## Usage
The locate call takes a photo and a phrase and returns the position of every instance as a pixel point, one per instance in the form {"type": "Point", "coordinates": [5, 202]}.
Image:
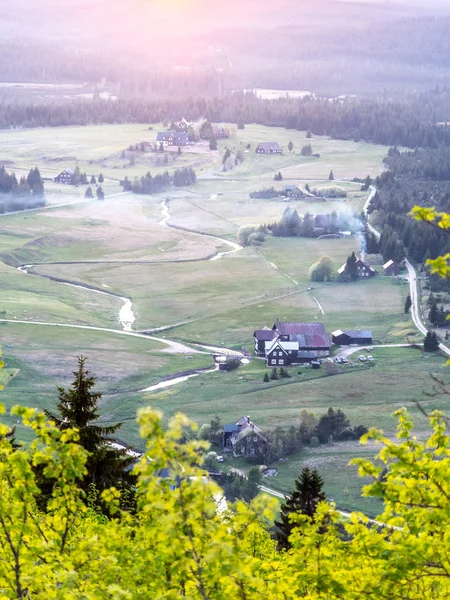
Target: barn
{"type": "Point", "coordinates": [348, 337]}
{"type": "Point", "coordinates": [391, 268]}
{"type": "Point", "coordinates": [65, 176]}
{"type": "Point", "coordinates": [269, 148]}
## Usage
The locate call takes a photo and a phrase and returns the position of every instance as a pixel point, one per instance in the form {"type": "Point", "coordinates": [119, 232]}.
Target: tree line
{"type": "Point", "coordinates": [27, 192]}
{"type": "Point", "coordinates": [148, 184]}
{"type": "Point", "coordinates": [380, 122]}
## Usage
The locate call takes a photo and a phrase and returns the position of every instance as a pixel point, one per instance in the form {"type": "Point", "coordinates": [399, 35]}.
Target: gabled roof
{"type": "Point", "coordinates": [68, 171]}
{"type": "Point", "coordinates": [285, 346]}
{"type": "Point", "coordinates": [269, 146]}
{"type": "Point", "coordinates": [230, 428]}
{"type": "Point", "coordinates": [264, 335]}
{"type": "Point", "coordinates": [178, 136]}
{"type": "Point", "coordinates": [308, 335]}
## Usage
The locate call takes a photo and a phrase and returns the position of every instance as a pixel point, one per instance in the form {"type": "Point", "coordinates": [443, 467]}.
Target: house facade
{"type": "Point", "coordinates": [351, 336]}
{"type": "Point", "coordinates": [292, 343]}
{"type": "Point", "coordinates": [269, 148]}
{"type": "Point", "coordinates": [219, 132]}
{"type": "Point", "coordinates": [172, 138]}
{"type": "Point", "coordinates": [65, 176]}
{"type": "Point", "coordinates": [244, 438]}
{"type": "Point", "coordinates": [364, 270]}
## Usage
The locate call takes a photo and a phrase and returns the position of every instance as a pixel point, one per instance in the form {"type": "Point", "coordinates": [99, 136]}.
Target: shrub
{"type": "Point", "coordinates": [266, 378]}
{"type": "Point", "coordinates": [314, 441]}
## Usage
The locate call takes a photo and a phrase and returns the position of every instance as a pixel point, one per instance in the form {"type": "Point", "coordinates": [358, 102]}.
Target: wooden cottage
{"type": "Point", "coordinates": [292, 343]}
{"type": "Point", "coordinates": [348, 337]}
{"type": "Point", "coordinates": [65, 176]}
{"type": "Point", "coordinates": [364, 270]}
{"type": "Point", "coordinates": [244, 438]}
{"type": "Point", "coordinates": [391, 268]}
{"type": "Point", "coordinates": [269, 148]}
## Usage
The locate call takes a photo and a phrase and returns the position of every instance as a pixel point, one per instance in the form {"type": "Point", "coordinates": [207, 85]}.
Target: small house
{"type": "Point", "coordinates": [348, 337]}
{"type": "Point", "coordinates": [172, 138]}
{"type": "Point", "coordinates": [244, 438]}
{"type": "Point", "coordinates": [391, 268]}
{"type": "Point", "coordinates": [219, 132]}
{"type": "Point", "coordinates": [364, 270]}
{"type": "Point", "coordinates": [261, 336]}
{"type": "Point", "coordinates": [294, 191]}
{"type": "Point", "coordinates": [65, 176]}
{"type": "Point", "coordinates": [269, 148]}
{"type": "Point", "coordinates": [281, 354]}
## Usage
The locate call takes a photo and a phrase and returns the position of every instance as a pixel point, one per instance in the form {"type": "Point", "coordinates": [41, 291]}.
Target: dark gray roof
{"type": "Point", "coordinates": [265, 335]}
{"type": "Point", "coordinates": [269, 146]}
{"type": "Point", "coordinates": [358, 333]}
{"type": "Point", "coordinates": [230, 428]}
{"type": "Point", "coordinates": [178, 136]}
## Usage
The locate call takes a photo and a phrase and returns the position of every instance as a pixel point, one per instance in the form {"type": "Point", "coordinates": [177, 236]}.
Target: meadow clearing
{"type": "Point", "coordinates": [123, 246]}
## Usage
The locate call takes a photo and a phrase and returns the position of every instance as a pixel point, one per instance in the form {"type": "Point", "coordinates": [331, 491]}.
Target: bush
{"type": "Point", "coordinates": [274, 374]}
{"type": "Point", "coordinates": [233, 363]}
{"type": "Point", "coordinates": [314, 442]}
{"type": "Point", "coordinates": [284, 373]}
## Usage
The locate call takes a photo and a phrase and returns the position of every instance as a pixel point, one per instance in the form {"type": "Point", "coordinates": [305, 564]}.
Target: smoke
{"type": "Point", "coordinates": [363, 246]}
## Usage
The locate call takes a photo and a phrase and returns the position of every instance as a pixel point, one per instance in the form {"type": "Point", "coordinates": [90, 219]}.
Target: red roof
{"type": "Point", "coordinates": [309, 335]}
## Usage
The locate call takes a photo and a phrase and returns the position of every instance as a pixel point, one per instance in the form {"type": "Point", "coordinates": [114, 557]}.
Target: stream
{"type": "Point", "coordinates": [126, 314]}
{"type": "Point", "coordinates": [165, 221]}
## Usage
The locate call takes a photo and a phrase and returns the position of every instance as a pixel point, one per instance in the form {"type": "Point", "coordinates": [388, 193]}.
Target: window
{"type": "Point", "coordinates": [273, 362]}
{"type": "Point", "coordinates": [280, 361]}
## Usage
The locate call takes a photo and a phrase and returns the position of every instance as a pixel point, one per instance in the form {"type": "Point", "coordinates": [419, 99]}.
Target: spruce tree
{"type": "Point", "coordinates": [78, 408]}
{"type": "Point", "coordinates": [93, 180]}
{"type": "Point", "coordinates": [331, 176]}
{"type": "Point", "coordinates": [431, 342]}
{"type": "Point", "coordinates": [101, 179]}
{"type": "Point", "coordinates": [100, 192]}
{"type": "Point", "coordinates": [351, 270]}
{"type": "Point", "coordinates": [408, 304]}
{"type": "Point", "coordinates": [303, 500]}
{"type": "Point", "coordinates": [88, 193]}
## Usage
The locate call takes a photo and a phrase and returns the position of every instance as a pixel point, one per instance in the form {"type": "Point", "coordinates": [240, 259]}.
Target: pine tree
{"type": "Point", "coordinates": [431, 342]}
{"type": "Point", "coordinates": [266, 378]}
{"type": "Point", "coordinates": [93, 180]}
{"type": "Point", "coordinates": [213, 143]}
{"type": "Point", "coordinates": [351, 270]}
{"type": "Point", "coordinates": [303, 500]}
{"type": "Point", "coordinates": [434, 313]}
{"type": "Point", "coordinates": [100, 192]}
{"type": "Point", "coordinates": [240, 123]}
{"type": "Point", "coordinates": [308, 135]}
{"type": "Point", "coordinates": [331, 176]}
{"type": "Point", "coordinates": [290, 146]}
{"type": "Point", "coordinates": [88, 193]}
{"type": "Point", "coordinates": [101, 179]}
{"type": "Point", "coordinates": [408, 304]}
{"type": "Point", "coordinates": [78, 408]}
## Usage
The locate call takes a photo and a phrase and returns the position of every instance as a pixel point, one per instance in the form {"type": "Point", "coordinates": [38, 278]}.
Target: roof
{"type": "Point", "coordinates": [388, 264]}
{"type": "Point", "coordinates": [230, 428]}
{"type": "Point", "coordinates": [311, 353]}
{"type": "Point", "coordinates": [358, 333]}
{"type": "Point", "coordinates": [337, 332]}
{"type": "Point", "coordinates": [178, 136]}
{"type": "Point", "coordinates": [265, 334]}
{"type": "Point", "coordinates": [286, 346]}
{"type": "Point", "coordinates": [269, 146]}
{"type": "Point", "coordinates": [308, 335]}
{"type": "Point", "coordinates": [67, 170]}
{"type": "Point", "coordinates": [359, 263]}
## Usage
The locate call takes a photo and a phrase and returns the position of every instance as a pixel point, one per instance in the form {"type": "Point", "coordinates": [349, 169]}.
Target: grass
{"type": "Point", "coordinates": [120, 246]}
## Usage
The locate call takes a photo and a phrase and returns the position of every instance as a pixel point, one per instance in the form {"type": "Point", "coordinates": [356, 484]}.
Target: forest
{"type": "Point", "coordinates": [389, 123]}
{"type": "Point", "coordinates": [28, 192]}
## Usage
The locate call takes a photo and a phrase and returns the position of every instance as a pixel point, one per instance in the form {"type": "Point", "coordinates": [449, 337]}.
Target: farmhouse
{"type": "Point", "coordinates": [269, 148]}
{"type": "Point", "coordinates": [220, 132]}
{"type": "Point", "coordinates": [261, 336]}
{"type": "Point", "coordinates": [364, 270]}
{"type": "Point", "coordinates": [391, 268]}
{"type": "Point", "coordinates": [183, 125]}
{"type": "Point", "coordinates": [289, 343]}
{"type": "Point", "coordinates": [351, 336]}
{"type": "Point", "coordinates": [294, 191]}
{"type": "Point", "coordinates": [244, 438]}
{"type": "Point", "coordinates": [172, 138]}
{"type": "Point", "coordinates": [64, 177]}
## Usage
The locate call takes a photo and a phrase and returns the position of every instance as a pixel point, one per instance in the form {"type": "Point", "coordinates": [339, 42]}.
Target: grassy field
{"type": "Point", "coordinates": [121, 246]}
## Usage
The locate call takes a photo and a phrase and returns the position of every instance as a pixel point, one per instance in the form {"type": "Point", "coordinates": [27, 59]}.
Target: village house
{"type": "Point", "coordinates": [391, 268]}
{"type": "Point", "coordinates": [364, 270]}
{"type": "Point", "coordinates": [172, 138]}
{"type": "Point", "coordinates": [220, 132]}
{"type": "Point", "coordinates": [292, 343]}
{"type": "Point", "coordinates": [65, 176]}
{"type": "Point", "coordinates": [244, 438]}
{"type": "Point", "coordinates": [348, 337]}
{"type": "Point", "coordinates": [269, 148]}
{"type": "Point", "coordinates": [294, 191]}
{"type": "Point", "coordinates": [183, 125]}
